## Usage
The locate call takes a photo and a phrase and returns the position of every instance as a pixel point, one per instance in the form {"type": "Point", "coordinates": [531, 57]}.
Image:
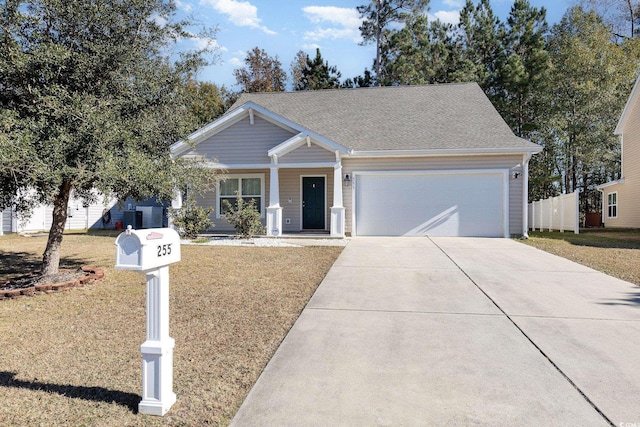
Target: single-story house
{"type": "Point", "coordinates": [433, 160]}
{"type": "Point", "coordinates": [621, 198]}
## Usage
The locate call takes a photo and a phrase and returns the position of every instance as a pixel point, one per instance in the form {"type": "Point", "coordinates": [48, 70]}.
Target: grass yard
{"type": "Point", "coordinates": [73, 358]}
{"type": "Point", "coordinates": [615, 252]}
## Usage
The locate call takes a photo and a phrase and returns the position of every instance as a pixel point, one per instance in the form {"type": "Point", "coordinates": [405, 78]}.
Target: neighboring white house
{"type": "Point", "coordinates": [103, 214]}
{"type": "Point", "coordinates": [414, 160]}
{"type": "Point", "coordinates": [621, 198]}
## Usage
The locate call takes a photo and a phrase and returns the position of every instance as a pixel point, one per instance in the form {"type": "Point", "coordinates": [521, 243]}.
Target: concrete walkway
{"type": "Point", "coordinates": [455, 331]}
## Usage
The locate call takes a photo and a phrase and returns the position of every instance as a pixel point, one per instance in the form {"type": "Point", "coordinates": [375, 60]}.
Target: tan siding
{"type": "Point", "coordinates": [513, 163]}
{"type": "Point", "coordinates": [623, 194]}
{"type": "Point", "coordinates": [242, 143]}
{"type": "Point", "coordinates": [308, 154]}
{"type": "Point", "coordinates": [629, 192]}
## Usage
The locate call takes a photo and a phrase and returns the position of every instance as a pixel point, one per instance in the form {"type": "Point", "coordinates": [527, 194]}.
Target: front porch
{"type": "Point", "coordinates": [305, 200]}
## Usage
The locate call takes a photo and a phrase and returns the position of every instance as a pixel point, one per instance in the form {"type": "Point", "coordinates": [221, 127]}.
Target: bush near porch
{"type": "Point", "coordinates": [613, 251]}
{"type": "Point", "coordinates": [73, 358]}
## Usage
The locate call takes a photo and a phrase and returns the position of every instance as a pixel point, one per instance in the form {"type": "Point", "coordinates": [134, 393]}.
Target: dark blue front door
{"type": "Point", "coordinates": [313, 202]}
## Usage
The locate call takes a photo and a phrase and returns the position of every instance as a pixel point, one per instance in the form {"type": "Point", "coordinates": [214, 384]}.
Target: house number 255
{"type": "Point", "coordinates": [164, 250]}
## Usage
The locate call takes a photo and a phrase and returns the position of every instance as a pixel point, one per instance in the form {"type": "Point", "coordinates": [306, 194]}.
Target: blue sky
{"type": "Point", "coordinates": [283, 28]}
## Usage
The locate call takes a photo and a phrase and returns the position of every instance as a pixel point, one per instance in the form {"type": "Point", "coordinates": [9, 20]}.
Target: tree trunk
{"type": "Point", "coordinates": [51, 257]}
{"type": "Point", "coordinates": [378, 46]}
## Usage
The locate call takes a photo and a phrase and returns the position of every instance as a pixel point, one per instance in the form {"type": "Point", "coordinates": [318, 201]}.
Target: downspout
{"type": "Point", "coordinates": [601, 206]}
{"type": "Point", "coordinates": [525, 195]}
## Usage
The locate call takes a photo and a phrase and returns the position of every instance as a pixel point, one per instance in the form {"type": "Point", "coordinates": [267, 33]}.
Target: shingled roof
{"type": "Point", "coordinates": [432, 117]}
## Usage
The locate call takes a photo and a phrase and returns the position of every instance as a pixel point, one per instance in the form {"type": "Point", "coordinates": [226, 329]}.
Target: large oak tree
{"type": "Point", "coordinates": [92, 96]}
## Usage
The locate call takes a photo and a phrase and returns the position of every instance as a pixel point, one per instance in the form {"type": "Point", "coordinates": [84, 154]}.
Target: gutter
{"type": "Point", "coordinates": [446, 152]}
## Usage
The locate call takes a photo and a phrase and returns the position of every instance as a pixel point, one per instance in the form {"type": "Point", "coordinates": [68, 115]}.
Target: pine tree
{"type": "Point", "coordinates": [524, 68]}
{"type": "Point", "coordinates": [480, 35]}
{"type": "Point", "coordinates": [314, 74]}
{"type": "Point", "coordinates": [378, 16]}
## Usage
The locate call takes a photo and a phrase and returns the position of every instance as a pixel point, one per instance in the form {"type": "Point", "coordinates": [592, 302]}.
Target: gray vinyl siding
{"type": "Point", "coordinates": [304, 154]}
{"type": "Point", "coordinates": [242, 143]}
{"type": "Point", "coordinates": [512, 163]}
{"type": "Point", "coordinates": [290, 189]}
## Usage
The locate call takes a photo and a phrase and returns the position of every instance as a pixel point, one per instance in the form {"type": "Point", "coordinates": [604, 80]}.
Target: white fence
{"type": "Point", "coordinates": [557, 213]}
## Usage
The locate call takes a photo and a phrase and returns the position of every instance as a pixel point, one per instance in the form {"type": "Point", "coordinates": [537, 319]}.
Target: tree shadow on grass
{"type": "Point", "coordinates": [95, 394]}
{"type": "Point", "coordinates": [617, 239]}
{"type": "Point", "coordinates": [19, 263]}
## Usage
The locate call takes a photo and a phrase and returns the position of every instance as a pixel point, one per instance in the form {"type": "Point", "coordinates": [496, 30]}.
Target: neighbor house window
{"type": "Point", "coordinates": [612, 205]}
{"type": "Point", "coordinates": [248, 187]}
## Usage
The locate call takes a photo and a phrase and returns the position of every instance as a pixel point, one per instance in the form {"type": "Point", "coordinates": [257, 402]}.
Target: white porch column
{"type": "Point", "coordinates": [274, 211]}
{"type": "Point", "coordinates": [525, 195]}
{"type": "Point", "coordinates": [337, 210]}
{"type": "Point", "coordinates": [176, 203]}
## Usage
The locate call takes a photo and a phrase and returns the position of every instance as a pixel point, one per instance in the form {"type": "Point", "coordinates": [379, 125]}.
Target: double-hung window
{"type": "Point", "coordinates": [612, 205]}
{"type": "Point", "coordinates": [248, 187]}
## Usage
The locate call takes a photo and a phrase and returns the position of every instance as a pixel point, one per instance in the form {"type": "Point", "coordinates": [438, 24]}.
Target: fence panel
{"type": "Point", "coordinates": [556, 213]}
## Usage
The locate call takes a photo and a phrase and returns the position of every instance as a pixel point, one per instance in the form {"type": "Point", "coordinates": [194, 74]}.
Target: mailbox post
{"type": "Point", "coordinates": [150, 251]}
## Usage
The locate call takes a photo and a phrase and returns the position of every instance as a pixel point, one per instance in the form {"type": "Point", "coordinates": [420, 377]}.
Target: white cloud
{"type": "Point", "coordinates": [236, 61]}
{"type": "Point", "coordinates": [333, 23]}
{"type": "Point", "coordinates": [187, 7]}
{"type": "Point", "coordinates": [454, 3]}
{"type": "Point", "coordinates": [160, 21]}
{"type": "Point", "coordinates": [310, 46]}
{"type": "Point", "coordinates": [207, 43]}
{"type": "Point", "coordinates": [240, 13]}
{"type": "Point", "coordinates": [447, 16]}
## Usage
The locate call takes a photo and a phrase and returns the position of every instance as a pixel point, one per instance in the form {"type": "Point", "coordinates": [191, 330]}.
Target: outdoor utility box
{"type": "Point", "coordinates": [132, 218]}
{"type": "Point", "coordinates": [143, 250]}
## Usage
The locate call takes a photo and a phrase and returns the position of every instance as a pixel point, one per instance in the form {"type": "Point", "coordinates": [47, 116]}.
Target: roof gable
{"type": "Point", "coordinates": [404, 118]}
{"type": "Point", "coordinates": [249, 110]}
{"type": "Point", "coordinates": [631, 102]}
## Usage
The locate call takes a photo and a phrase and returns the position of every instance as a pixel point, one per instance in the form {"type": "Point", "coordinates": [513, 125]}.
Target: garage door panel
{"type": "Point", "coordinates": [434, 204]}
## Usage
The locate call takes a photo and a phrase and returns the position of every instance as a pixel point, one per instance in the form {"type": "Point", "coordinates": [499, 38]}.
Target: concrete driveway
{"type": "Point", "coordinates": [455, 331]}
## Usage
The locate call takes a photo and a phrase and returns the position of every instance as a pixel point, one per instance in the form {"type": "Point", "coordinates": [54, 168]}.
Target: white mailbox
{"type": "Point", "coordinates": [147, 249]}
{"type": "Point", "coordinates": [150, 252]}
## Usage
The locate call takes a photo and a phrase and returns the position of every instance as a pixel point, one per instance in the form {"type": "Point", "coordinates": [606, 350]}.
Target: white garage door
{"type": "Point", "coordinates": [448, 203]}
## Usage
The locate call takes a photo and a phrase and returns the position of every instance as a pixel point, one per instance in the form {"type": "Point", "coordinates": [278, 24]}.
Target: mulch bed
{"type": "Point", "coordinates": [64, 280]}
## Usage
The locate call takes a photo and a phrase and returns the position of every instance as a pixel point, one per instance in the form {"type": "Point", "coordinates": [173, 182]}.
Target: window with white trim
{"type": "Point", "coordinates": [612, 205]}
{"type": "Point", "coordinates": [248, 187]}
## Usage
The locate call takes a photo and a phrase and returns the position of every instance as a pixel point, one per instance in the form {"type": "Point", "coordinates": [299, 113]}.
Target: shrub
{"type": "Point", "coordinates": [244, 217]}
{"type": "Point", "coordinates": [192, 219]}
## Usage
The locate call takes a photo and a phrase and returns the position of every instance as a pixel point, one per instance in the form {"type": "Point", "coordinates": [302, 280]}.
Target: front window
{"type": "Point", "coordinates": [612, 205]}
{"type": "Point", "coordinates": [248, 187]}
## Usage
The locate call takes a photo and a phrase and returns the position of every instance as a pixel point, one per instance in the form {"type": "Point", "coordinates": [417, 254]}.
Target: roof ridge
{"type": "Point", "coordinates": [369, 88]}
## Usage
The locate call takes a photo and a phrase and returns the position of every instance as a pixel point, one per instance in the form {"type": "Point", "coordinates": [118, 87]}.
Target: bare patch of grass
{"type": "Point", "coordinates": [614, 252]}
{"type": "Point", "coordinates": [73, 358]}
